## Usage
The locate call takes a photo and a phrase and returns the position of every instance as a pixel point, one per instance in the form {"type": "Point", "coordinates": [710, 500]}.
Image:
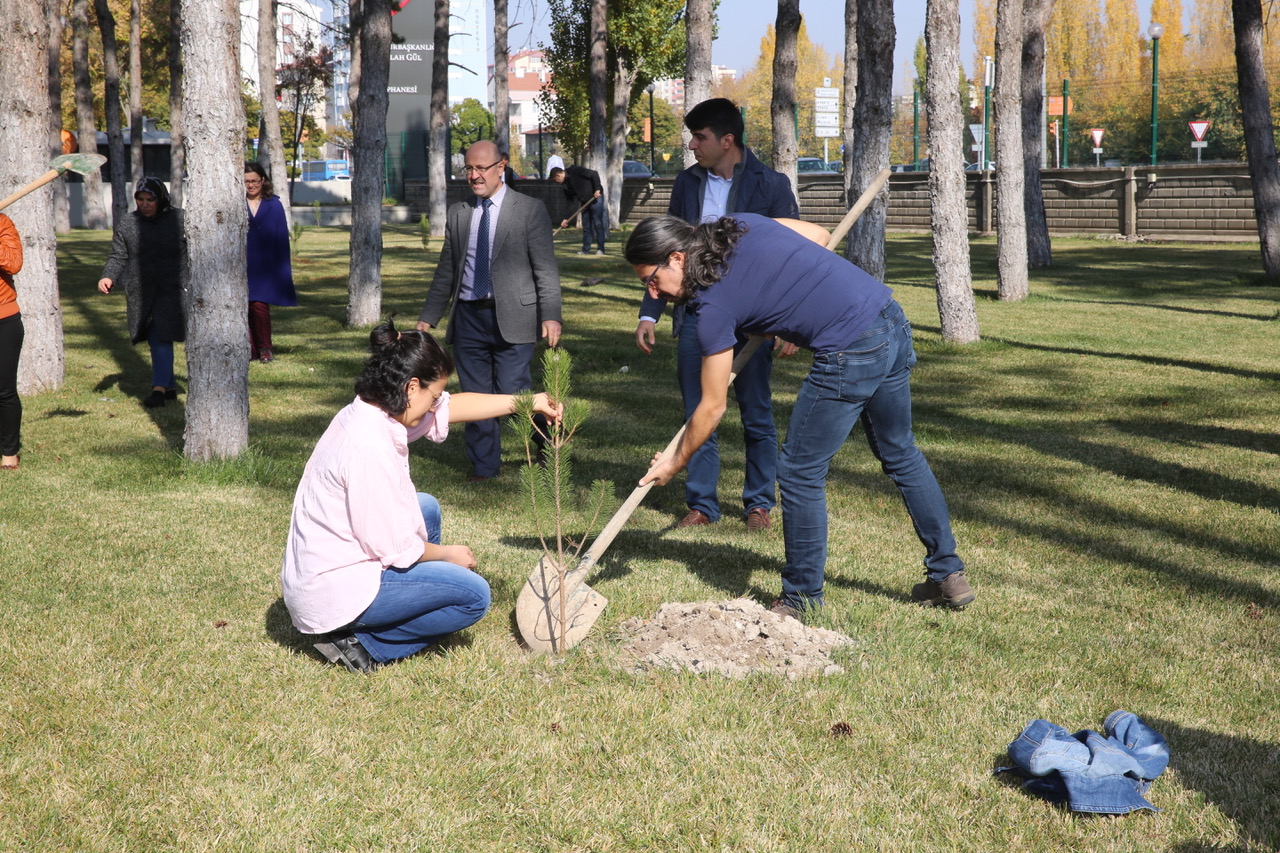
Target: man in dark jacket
{"type": "Point", "coordinates": [727, 178]}
{"type": "Point", "coordinates": [582, 186]}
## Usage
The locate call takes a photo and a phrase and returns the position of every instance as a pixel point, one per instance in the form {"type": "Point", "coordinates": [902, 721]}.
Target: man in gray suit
{"type": "Point", "coordinates": [498, 269]}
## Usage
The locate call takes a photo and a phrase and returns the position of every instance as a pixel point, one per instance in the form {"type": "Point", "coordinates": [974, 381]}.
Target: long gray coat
{"type": "Point", "coordinates": [159, 303]}
{"type": "Point", "coordinates": [526, 278]}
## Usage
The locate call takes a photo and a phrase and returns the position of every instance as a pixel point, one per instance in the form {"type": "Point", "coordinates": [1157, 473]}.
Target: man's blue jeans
{"type": "Point", "coordinates": [755, 403]}
{"type": "Point", "coordinates": [870, 380]}
{"type": "Point", "coordinates": [421, 604]}
{"type": "Point", "coordinates": [595, 225]}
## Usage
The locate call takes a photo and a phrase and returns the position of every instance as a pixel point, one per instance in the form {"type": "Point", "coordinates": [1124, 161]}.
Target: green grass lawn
{"type": "Point", "coordinates": [1110, 452]}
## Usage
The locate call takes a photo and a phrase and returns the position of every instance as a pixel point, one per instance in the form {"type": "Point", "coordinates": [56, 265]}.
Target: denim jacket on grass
{"type": "Point", "coordinates": [1090, 772]}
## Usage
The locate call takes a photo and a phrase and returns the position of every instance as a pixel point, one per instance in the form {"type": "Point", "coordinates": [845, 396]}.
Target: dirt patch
{"type": "Point", "coordinates": [734, 638]}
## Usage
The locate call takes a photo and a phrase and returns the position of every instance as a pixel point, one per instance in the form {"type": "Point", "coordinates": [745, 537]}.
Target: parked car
{"type": "Point", "coordinates": [635, 169]}
{"type": "Point", "coordinates": [813, 166]}
{"type": "Point", "coordinates": [836, 166]}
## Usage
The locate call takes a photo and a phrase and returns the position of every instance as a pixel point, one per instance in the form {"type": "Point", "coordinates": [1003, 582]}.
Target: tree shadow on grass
{"type": "Point", "coordinates": [1238, 776]}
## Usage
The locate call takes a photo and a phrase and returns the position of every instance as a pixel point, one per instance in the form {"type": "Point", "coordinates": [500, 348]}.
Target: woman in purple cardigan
{"type": "Point", "coordinates": [267, 256]}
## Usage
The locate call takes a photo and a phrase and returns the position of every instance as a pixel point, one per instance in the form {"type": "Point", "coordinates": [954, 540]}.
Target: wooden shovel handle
{"type": "Point", "coordinates": [31, 187]}
{"type": "Point", "coordinates": [864, 200]}
{"type": "Point", "coordinates": [601, 542]}
{"type": "Point", "coordinates": [571, 218]}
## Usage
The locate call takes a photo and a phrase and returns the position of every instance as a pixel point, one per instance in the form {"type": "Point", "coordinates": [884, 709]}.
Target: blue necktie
{"type": "Point", "coordinates": [482, 286]}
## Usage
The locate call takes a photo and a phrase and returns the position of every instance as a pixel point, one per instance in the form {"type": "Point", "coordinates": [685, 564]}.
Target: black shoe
{"type": "Point", "coordinates": [345, 649]}
{"type": "Point", "coordinates": [171, 393]}
{"type": "Point", "coordinates": [155, 399]}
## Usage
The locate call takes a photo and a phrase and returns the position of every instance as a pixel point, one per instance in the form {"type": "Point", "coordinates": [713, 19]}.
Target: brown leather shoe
{"type": "Point", "coordinates": [693, 519]}
{"type": "Point", "coordinates": [758, 519]}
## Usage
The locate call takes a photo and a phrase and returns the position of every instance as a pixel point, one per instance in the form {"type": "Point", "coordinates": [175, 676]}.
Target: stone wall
{"type": "Point", "coordinates": [1212, 202]}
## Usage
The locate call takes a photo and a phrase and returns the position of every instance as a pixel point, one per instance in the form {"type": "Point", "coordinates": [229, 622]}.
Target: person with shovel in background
{"type": "Point", "coordinates": [364, 569]}
{"type": "Point", "coordinates": [149, 251]}
{"type": "Point", "coordinates": [11, 334]}
{"type": "Point", "coordinates": [583, 188]}
{"type": "Point", "coordinates": [746, 273]}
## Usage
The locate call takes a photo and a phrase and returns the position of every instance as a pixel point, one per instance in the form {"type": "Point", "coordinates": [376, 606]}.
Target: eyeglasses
{"type": "Point", "coordinates": [479, 170]}
{"type": "Point", "coordinates": [648, 281]}
{"type": "Point", "coordinates": [252, 182]}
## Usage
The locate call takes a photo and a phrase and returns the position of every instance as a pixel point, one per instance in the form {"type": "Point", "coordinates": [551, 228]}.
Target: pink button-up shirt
{"type": "Point", "coordinates": [356, 513]}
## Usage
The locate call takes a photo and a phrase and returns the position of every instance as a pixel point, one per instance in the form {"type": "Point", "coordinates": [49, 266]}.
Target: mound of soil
{"type": "Point", "coordinates": [734, 638]}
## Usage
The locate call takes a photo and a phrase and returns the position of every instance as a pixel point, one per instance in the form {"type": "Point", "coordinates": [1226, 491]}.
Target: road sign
{"type": "Point", "coordinates": [820, 132]}
{"type": "Point", "coordinates": [1054, 107]}
{"type": "Point", "coordinates": [1096, 133]}
{"type": "Point", "coordinates": [826, 105]}
{"type": "Point", "coordinates": [1199, 129]}
{"type": "Point", "coordinates": [826, 120]}
{"type": "Point", "coordinates": [976, 130]}
{"type": "Point", "coordinates": [826, 92]}
{"type": "Point", "coordinates": [1199, 143]}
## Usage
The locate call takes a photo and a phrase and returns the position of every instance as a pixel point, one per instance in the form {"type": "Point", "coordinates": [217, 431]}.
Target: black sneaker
{"type": "Point", "coordinates": [346, 650]}
{"type": "Point", "coordinates": [155, 399]}
{"type": "Point", "coordinates": [953, 592]}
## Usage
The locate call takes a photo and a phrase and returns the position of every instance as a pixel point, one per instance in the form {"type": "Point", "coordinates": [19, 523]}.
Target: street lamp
{"type": "Point", "coordinates": [652, 161]}
{"type": "Point", "coordinates": [915, 122]}
{"type": "Point", "coordinates": [1155, 31]}
{"type": "Point", "coordinates": [989, 80]}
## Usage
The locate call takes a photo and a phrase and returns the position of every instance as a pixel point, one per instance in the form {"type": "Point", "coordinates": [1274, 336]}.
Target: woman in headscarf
{"type": "Point", "coordinates": [149, 252]}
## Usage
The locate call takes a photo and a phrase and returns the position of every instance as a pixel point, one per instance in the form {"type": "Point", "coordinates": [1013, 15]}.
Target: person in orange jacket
{"type": "Point", "coordinates": [11, 334]}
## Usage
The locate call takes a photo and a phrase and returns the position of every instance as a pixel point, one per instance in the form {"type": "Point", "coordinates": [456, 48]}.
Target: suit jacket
{"type": "Point", "coordinates": [526, 279]}
{"type": "Point", "coordinates": [756, 189]}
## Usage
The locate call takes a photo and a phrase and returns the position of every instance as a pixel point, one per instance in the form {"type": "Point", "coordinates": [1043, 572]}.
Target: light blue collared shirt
{"type": "Point", "coordinates": [465, 293]}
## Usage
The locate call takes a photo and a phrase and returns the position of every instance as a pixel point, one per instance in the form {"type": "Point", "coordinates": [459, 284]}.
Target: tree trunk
{"type": "Point", "coordinates": [24, 156]}
{"type": "Point", "coordinates": [216, 219]}
{"type": "Point", "coordinates": [364, 283]}
{"type": "Point", "coordinates": [95, 214]}
{"type": "Point", "coordinates": [270, 140]}
{"type": "Point", "coordinates": [957, 312]}
{"type": "Point", "coordinates": [699, 25]}
{"type": "Point", "coordinates": [501, 92]}
{"type": "Point", "coordinates": [438, 146]}
{"type": "Point", "coordinates": [848, 131]}
{"type": "Point", "coordinates": [135, 90]}
{"type": "Point", "coordinates": [597, 91]}
{"type": "Point", "coordinates": [1035, 20]}
{"type": "Point", "coordinates": [624, 78]}
{"type": "Point", "coordinates": [61, 205]}
{"type": "Point", "coordinates": [873, 117]}
{"type": "Point", "coordinates": [111, 105]}
{"type": "Point", "coordinates": [1259, 134]}
{"type": "Point", "coordinates": [177, 145]}
{"type": "Point", "coordinates": [1011, 227]}
{"type": "Point", "coordinates": [782, 107]}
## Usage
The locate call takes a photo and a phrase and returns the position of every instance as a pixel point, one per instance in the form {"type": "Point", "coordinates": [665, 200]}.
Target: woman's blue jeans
{"type": "Point", "coordinates": [417, 606]}
{"type": "Point", "coordinates": [869, 381]}
{"type": "Point", "coordinates": [161, 361]}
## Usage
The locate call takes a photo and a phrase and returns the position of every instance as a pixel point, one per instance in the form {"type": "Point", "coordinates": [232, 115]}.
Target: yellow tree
{"type": "Point", "coordinates": [984, 35]}
{"type": "Point", "coordinates": [1122, 42]}
{"type": "Point", "coordinates": [755, 91]}
{"type": "Point", "coordinates": [1072, 44]}
{"type": "Point", "coordinates": [1211, 45]}
{"type": "Point", "coordinates": [1173, 44]}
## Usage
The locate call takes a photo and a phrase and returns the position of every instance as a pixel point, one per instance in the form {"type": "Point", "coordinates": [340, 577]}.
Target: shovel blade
{"type": "Point", "coordinates": [81, 164]}
{"type": "Point", "coordinates": [538, 609]}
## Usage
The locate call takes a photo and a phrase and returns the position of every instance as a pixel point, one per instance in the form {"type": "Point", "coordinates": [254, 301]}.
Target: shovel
{"type": "Point", "coordinates": [555, 618]}
{"type": "Point", "coordinates": [81, 164]}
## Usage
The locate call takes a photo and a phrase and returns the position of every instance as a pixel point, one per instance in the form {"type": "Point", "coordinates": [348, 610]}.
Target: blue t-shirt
{"type": "Point", "coordinates": [778, 282]}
